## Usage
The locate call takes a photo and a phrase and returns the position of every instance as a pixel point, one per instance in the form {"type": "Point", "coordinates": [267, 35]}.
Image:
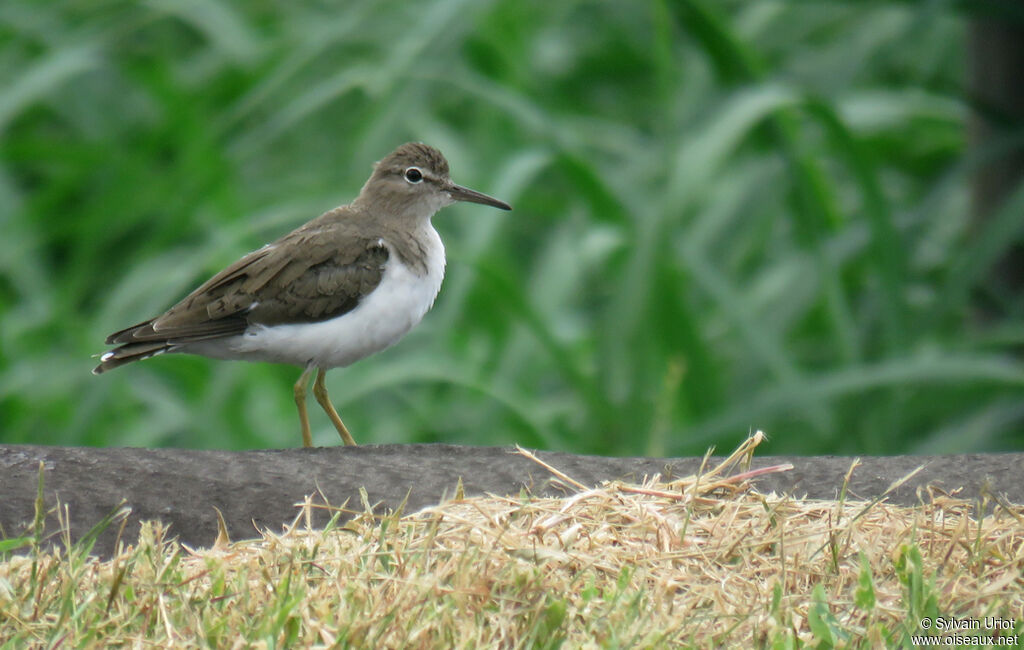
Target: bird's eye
{"type": "Point", "coordinates": [413, 175]}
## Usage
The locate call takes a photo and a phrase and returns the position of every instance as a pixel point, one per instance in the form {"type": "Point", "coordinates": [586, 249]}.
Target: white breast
{"type": "Point", "coordinates": [379, 321]}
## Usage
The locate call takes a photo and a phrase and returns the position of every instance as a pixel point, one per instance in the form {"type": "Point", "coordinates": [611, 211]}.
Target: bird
{"type": "Point", "coordinates": [339, 288]}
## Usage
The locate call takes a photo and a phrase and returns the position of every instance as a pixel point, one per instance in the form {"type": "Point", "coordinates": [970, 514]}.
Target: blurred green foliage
{"type": "Point", "coordinates": [727, 216]}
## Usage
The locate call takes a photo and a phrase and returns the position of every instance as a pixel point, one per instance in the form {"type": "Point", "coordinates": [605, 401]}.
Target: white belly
{"type": "Point", "coordinates": [379, 321]}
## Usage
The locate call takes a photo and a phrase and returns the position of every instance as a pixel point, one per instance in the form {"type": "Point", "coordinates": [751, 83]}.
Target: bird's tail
{"type": "Point", "coordinates": [130, 352]}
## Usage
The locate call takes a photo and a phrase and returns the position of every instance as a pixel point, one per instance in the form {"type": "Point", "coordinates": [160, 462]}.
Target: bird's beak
{"type": "Point", "coordinates": [459, 193]}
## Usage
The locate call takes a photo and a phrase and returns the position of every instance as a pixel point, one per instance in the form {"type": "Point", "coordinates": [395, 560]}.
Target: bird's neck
{"type": "Point", "coordinates": [420, 249]}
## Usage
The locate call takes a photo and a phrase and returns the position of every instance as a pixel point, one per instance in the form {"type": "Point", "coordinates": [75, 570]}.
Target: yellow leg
{"type": "Point", "coordinates": [300, 401]}
{"type": "Point", "coordinates": [320, 392]}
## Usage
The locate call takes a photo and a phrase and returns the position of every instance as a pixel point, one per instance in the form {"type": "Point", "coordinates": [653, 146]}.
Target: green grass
{"type": "Point", "coordinates": [698, 562]}
{"type": "Point", "coordinates": [727, 216]}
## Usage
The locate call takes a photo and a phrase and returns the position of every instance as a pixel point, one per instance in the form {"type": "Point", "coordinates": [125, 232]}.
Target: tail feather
{"type": "Point", "coordinates": [143, 341]}
{"type": "Point", "coordinates": [131, 352]}
{"type": "Point", "coordinates": [127, 334]}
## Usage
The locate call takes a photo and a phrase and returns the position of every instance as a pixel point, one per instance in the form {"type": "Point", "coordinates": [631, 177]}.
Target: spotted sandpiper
{"type": "Point", "coordinates": [347, 284]}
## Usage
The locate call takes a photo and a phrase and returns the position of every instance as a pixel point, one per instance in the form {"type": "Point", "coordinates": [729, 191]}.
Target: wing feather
{"type": "Point", "coordinates": [272, 285]}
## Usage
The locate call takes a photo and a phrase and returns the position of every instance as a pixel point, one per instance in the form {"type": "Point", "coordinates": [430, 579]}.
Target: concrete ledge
{"type": "Point", "coordinates": [182, 487]}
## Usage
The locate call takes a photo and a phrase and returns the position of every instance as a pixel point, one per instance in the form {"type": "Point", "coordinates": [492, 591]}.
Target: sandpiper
{"type": "Point", "coordinates": [347, 284]}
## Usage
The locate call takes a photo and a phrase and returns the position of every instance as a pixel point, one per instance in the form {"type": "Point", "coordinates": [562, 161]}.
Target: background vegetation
{"type": "Point", "coordinates": [727, 216]}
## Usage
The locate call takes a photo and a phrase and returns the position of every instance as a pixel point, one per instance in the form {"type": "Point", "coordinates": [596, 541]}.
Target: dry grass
{"type": "Point", "coordinates": [702, 561]}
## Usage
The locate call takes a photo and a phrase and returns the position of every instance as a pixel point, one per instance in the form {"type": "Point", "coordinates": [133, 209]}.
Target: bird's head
{"type": "Point", "coordinates": [414, 180]}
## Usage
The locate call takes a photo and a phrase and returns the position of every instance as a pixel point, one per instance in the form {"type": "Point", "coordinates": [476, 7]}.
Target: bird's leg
{"type": "Point", "coordinates": [320, 392]}
{"type": "Point", "coordinates": [300, 401]}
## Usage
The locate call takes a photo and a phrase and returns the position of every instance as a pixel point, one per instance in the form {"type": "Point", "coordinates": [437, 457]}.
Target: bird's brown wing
{"type": "Point", "coordinates": [303, 293]}
{"type": "Point", "coordinates": [308, 275]}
